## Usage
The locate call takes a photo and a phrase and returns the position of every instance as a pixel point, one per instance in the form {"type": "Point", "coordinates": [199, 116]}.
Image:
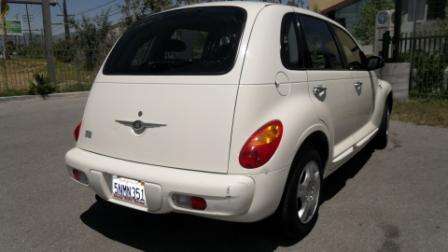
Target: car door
{"type": "Point", "coordinates": [330, 84]}
{"type": "Point", "coordinates": [362, 88]}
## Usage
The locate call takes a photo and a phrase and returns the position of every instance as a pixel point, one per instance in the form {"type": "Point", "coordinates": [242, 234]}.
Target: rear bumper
{"type": "Point", "coordinates": [229, 197]}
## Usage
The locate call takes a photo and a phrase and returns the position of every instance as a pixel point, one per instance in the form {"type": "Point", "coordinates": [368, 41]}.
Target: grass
{"type": "Point", "coordinates": [12, 92]}
{"type": "Point", "coordinates": [16, 74]}
{"type": "Point", "coordinates": [433, 112]}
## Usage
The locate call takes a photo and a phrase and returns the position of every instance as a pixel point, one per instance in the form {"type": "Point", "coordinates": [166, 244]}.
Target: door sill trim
{"type": "Point", "coordinates": [343, 155]}
{"type": "Point", "coordinates": [367, 138]}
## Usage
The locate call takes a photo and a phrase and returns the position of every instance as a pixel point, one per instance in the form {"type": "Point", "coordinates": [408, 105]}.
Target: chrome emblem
{"type": "Point", "coordinates": [139, 126]}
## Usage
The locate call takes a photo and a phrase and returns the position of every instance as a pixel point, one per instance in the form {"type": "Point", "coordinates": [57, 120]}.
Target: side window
{"type": "Point", "coordinates": [322, 47]}
{"type": "Point", "coordinates": [351, 51]}
{"type": "Point", "coordinates": [290, 53]}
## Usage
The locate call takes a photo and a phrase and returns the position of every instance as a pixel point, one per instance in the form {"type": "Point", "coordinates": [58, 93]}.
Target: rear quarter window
{"type": "Point", "coordinates": [192, 41]}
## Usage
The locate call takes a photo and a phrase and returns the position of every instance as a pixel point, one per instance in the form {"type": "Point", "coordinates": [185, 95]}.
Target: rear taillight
{"type": "Point", "coordinates": [76, 132]}
{"type": "Point", "coordinates": [191, 202]}
{"type": "Point", "coordinates": [260, 147]}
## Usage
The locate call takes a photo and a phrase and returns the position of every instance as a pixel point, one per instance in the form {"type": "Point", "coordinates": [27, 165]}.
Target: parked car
{"type": "Point", "coordinates": [234, 111]}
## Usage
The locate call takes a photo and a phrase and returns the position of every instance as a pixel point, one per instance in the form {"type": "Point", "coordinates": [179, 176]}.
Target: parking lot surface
{"type": "Point", "coordinates": [383, 200]}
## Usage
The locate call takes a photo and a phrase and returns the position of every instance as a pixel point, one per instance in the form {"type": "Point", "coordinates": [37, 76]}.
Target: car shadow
{"type": "Point", "coordinates": [176, 232]}
{"type": "Point", "coordinates": [337, 180]}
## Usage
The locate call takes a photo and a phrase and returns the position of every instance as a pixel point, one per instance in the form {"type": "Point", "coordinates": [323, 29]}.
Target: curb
{"type": "Point", "coordinates": [29, 97]}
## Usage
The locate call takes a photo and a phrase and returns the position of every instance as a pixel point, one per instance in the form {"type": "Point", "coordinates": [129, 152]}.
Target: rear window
{"type": "Point", "coordinates": [196, 41]}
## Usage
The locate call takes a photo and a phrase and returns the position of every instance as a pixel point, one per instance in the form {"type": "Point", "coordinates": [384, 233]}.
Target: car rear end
{"type": "Point", "coordinates": [156, 131]}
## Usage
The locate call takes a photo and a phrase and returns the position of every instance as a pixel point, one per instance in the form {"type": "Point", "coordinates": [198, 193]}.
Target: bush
{"type": "Point", "coordinates": [11, 92]}
{"type": "Point", "coordinates": [41, 85]}
{"type": "Point", "coordinates": [65, 51]}
{"type": "Point", "coordinates": [428, 77]}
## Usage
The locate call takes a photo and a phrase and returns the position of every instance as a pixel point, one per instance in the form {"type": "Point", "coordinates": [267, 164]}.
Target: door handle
{"type": "Point", "coordinates": [358, 84]}
{"type": "Point", "coordinates": [319, 91]}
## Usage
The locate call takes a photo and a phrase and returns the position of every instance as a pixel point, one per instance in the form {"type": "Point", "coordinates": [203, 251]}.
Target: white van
{"type": "Point", "coordinates": [230, 110]}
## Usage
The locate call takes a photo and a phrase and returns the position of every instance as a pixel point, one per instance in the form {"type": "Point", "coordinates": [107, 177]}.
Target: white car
{"type": "Point", "coordinates": [233, 111]}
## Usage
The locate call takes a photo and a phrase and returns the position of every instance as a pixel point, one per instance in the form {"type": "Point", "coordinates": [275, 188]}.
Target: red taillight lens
{"type": "Point", "coordinates": [198, 203]}
{"type": "Point", "coordinates": [76, 132]}
{"type": "Point", "coordinates": [260, 147]}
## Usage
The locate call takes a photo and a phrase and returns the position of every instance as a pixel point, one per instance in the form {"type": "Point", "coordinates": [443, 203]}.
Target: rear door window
{"type": "Point", "coordinates": [192, 41]}
{"type": "Point", "coordinates": [322, 49]}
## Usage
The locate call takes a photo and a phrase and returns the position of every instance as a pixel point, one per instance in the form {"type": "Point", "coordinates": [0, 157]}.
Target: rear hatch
{"type": "Point", "coordinates": [167, 91]}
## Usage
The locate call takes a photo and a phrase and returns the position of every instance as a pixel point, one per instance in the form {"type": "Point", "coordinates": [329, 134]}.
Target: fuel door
{"type": "Point", "coordinates": [282, 84]}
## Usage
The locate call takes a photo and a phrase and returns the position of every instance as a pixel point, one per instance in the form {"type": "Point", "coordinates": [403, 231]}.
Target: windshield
{"type": "Point", "coordinates": [190, 41]}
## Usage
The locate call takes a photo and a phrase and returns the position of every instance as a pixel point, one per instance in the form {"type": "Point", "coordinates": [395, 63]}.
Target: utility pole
{"type": "Point", "coordinates": [397, 30]}
{"type": "Point", "coordinates": [29, 23]}
{"type": "Point", "coordinates": [66, 27]}
{"type": "Point", "coordinates": [48, 40]}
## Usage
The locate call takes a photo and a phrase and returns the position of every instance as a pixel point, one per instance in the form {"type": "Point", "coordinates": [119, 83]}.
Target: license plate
{"type": "Point", "coordinates": [129, 190]}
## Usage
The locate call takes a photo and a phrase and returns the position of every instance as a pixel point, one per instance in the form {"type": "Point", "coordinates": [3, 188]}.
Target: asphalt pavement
{"type": "Point", "coordinates": [383, 200]}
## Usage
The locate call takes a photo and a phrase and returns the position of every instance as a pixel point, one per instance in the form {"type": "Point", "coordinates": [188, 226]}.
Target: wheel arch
{"type": "Point", "coordinates": [390, 100]}
{"type": "Point", "coordinates": [317, 137]}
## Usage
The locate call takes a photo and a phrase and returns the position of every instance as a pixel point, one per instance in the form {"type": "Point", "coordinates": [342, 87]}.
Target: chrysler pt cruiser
{"type": "Point", "coordinates": [234, 111]}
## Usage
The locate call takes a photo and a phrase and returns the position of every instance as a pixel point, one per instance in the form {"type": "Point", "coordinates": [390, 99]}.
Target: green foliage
{"type": "Point", "coordinates": [41, 85]}
{"type": "Point", "coordinates": [93, 38]}
{"type": "Point", "coordinates": [135, 10]}
{"type": "Point", "coordinates": [33, 50]}
{"type": "Point", "coordinates": [364, 30]}
{"type": "Point", "coordinates": [428, 79]}
{"type": "Point", "coordinates": [11, 92]}
{"type": "Point", "coordinates": [75, 87]}
{"type": "Point", "coordinates": [299, 3]}
{"type": "Point", "coordinates": [65, 51]}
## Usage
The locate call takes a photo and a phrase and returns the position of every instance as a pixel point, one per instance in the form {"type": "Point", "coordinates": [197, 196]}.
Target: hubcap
{"type": "Point", "coordinates": [308, 191]}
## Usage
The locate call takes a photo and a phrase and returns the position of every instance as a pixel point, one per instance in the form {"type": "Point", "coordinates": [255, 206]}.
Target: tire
{"type": "Point", "coordinates": [382, 136]}
{"type": "Point", "coordinates": [299, 207]}
{"type": "Point", "coordinates": [100, 200]}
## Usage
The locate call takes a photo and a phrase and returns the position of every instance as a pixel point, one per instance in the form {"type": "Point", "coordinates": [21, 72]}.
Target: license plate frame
{"type": "Point", "coordinates": [129, 190]}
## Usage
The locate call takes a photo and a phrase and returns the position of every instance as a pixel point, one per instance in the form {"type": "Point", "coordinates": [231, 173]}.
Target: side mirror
{"type": "Point", "coordinates": [374, 62]}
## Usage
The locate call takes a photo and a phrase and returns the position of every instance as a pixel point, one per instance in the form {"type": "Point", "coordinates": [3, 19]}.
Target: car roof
{"type": "Point", "coordinates": [252, 6]}
{"type": "Point", "coordinates": [255, 7]}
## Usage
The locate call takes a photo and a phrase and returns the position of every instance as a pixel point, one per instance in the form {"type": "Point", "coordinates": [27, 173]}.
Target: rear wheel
{"type": "Point", "coordinates": [383, 132]}
{"type": "Point", "coordinates": [298, 211]}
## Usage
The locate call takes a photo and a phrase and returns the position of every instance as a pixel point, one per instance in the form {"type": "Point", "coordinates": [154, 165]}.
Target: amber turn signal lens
{"type": "Point", "coordinates": [261, 145]}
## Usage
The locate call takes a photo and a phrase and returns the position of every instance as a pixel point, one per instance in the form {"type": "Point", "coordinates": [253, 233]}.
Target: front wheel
{"type": "Point", "coordinates": [382, 136]}
{"type": "Point", "coordinates": [298, 211]}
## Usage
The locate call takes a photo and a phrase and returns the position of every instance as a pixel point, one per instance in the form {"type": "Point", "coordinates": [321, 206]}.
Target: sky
{"type": "Point", "coordinates": [89, 8]}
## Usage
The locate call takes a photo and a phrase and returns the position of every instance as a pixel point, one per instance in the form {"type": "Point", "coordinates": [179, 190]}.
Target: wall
{"type": "Point", "coordinates": [324, 4]}
{"type": "Point", "coordinates": [397, 74]}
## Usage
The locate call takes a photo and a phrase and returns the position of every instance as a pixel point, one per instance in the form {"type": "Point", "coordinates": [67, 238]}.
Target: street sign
{"type": "Point", "coordinates": [13, 27]}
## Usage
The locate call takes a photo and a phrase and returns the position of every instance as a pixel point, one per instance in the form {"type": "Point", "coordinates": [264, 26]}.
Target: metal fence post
{"type": "Point", "coordinates": [5, 74]}
{"type": "Point", "coordinates": [414, 29]}
{"type": "Point", "coordinates": [48, 41]}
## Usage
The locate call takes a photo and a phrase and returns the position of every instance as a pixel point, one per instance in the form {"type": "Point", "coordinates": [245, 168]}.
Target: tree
{"type": "Point", "coordinates": [135, 10]}
{"type": "Point", "coordinates": [299, 3]}
{"type": "Point", "coordinates": [364, 30]}
{"type": "Point", "coordinates": [92, 38]}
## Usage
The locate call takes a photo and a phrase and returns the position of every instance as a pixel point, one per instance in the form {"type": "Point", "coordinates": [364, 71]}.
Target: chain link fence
{"type": "Point", "coordinates": [76, 67]}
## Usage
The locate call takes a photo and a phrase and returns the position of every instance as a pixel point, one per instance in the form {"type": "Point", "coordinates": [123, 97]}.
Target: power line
{"type": "Point", "coordinates": [97, 7]}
